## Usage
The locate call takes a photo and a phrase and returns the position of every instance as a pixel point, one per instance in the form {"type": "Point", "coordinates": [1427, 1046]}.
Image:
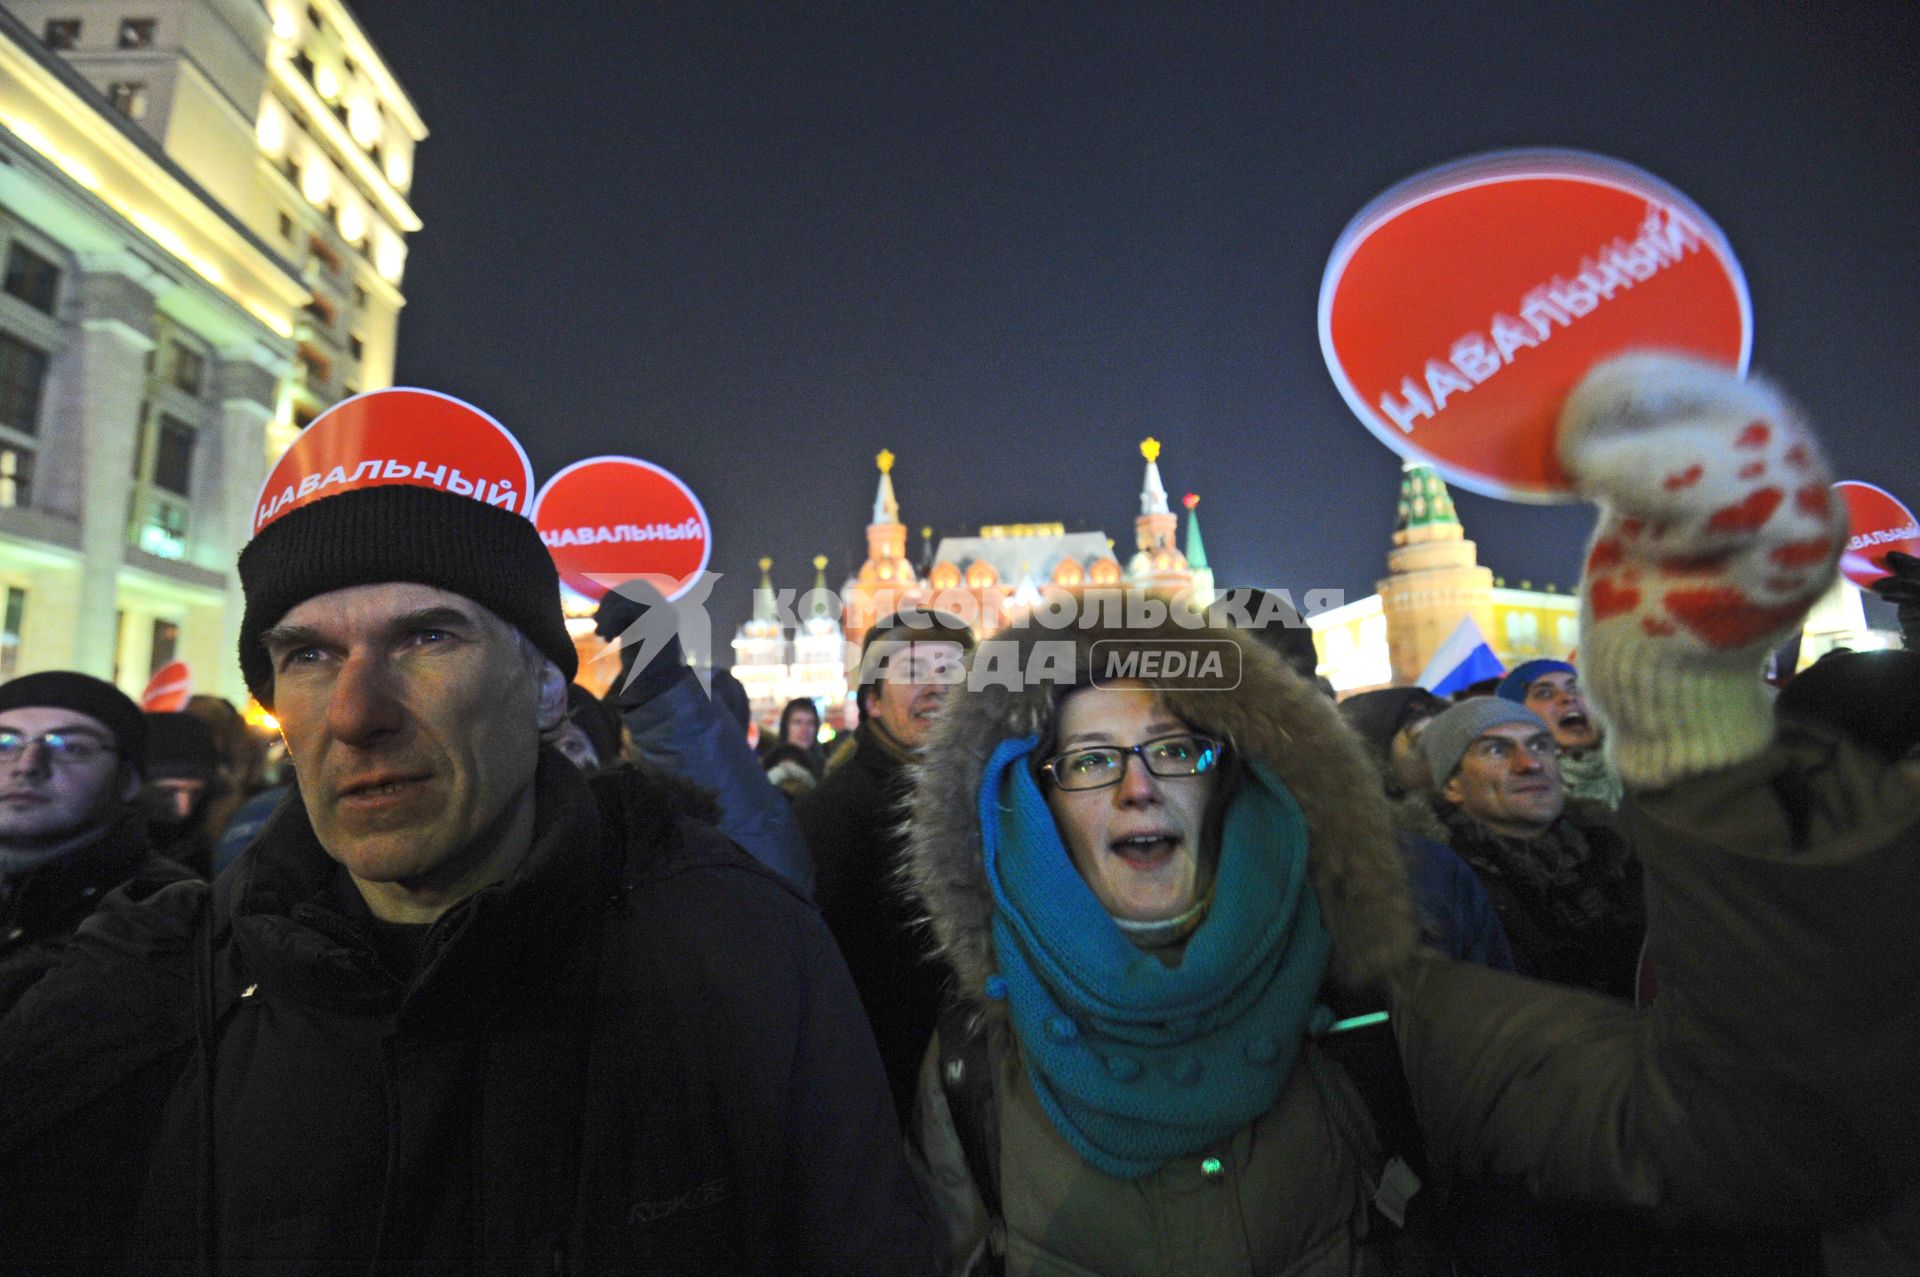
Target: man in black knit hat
{"type": "Point", "coordinates": [460, 1007]}
{"type": "Point", "coordinates": [71, 749]}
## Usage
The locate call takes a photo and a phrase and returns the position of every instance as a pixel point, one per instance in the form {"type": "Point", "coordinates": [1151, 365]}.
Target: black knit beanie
{"type": "Point", "coordinates": [83, 694]}
{"type": "Point", "coordinates": [401, 532]}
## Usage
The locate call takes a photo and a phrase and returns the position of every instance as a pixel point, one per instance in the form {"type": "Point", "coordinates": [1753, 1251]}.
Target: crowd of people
{"type": "Point", "coordinates": [1602, 968]}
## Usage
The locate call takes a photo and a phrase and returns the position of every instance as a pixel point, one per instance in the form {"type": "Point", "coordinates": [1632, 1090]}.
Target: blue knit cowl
{"type": "Point", "coordinates": [1136, 1062]}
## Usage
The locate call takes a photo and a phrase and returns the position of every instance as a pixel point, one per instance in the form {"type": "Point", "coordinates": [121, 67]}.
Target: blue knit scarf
{"type": "Point", "coordinates": [1135, 1062]}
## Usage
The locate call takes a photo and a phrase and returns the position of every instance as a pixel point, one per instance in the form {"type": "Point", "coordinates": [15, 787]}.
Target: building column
{"type": "Point", "coordinates": [105, 386]}
{"type": "Point", "coordinates": [248, 382]}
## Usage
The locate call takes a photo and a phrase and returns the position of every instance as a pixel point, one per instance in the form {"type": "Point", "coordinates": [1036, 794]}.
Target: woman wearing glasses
{"type": "Point", "coordinates": [1165, 907]}
{"type": "Point", "coordinates": [1142, 890]}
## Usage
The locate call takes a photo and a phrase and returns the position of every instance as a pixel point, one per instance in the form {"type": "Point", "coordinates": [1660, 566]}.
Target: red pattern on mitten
{"type": "Point", "coordinates": [1717, 532]}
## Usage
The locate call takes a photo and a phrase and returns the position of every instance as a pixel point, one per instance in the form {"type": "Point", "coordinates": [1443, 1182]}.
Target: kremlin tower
{"type": "Point", "coordinates": [1201, 594]}
{"type": "Point", "coordinates": [1159, 565]}
{"type": "Point", "coordinates": [1433, 576]}
{"type": "Point", "coordinates": [886, 581]}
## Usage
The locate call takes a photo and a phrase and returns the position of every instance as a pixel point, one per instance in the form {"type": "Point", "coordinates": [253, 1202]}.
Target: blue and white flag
{"type": "Point", "coordinates": [1463, 659]}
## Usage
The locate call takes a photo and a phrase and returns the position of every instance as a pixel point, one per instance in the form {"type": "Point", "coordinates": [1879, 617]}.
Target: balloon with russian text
{"type": "Point", "coordinates": [1877, 522]}
{"type": "Point", "coordinates": [169, 689]}
{"type": "Point", "coordinates": [401, 435]}
{"type": "Point", "coordinates": [1459, 308]}
{"type": "Point", "coordinates": [607, 520]}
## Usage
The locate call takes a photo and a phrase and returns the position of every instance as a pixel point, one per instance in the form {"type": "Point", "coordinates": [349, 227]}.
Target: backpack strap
{"type": "Point", "coordinates": [966, 1078]}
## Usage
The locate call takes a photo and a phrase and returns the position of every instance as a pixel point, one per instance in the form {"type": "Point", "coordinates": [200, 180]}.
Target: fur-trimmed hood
{"type": "Point", "coordinates": [1272, 716]}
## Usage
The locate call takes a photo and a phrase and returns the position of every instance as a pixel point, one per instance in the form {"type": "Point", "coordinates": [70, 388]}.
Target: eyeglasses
{"type": "Point", "coordinates": [61, 747]}
{"type": "Point", "coordinates": [1168, 757]}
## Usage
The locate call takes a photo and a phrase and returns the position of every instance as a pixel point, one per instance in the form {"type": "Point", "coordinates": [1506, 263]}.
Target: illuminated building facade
{"type": "Point", "coordinates": [203, 219]}
{"type": "Point", "coordinates": [813, 664]}
{"type": "Point", "coordinates": [986, 580]}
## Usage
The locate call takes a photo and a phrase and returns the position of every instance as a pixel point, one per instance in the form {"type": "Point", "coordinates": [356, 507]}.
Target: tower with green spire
{"type": "Point", "coordinates": [1202, 595]}
{"type": "Point", "coordinates": [1426, 503]}
{"type": "Point", "coordinates": [1433, 576]}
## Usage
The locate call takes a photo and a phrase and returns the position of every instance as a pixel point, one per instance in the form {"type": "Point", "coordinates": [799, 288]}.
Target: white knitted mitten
{"type": "Point", "coordinates": [1717, 532]}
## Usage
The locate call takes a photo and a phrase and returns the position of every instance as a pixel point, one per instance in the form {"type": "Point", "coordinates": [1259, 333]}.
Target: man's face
{"type": "Point", "coordinates": [1557, 698]}
{"type": "Point", "coordinates": [803, 728]}
{"type": "Point", "coordinates": [47, 800]}
{"type": "Point", "coordinates": [412, 718]}
{"type": "Point", "coordinates": [913, 684]}
{"type": "Point", "coordinates": [176, 797]}
{"type": "Point", "coordinates": [573, 743]}
{"type": "Point", "coordinates": [1509, 780]}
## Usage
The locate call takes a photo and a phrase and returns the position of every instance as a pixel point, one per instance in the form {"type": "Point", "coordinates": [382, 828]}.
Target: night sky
{"type": "Point", "coordinates": [756, 244]}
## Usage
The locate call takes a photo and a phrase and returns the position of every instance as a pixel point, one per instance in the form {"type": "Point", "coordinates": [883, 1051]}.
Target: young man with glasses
{"type": "Point", "coordinates": [1565, 884]}
{"type": "Point", "coordinates": [71, 750]}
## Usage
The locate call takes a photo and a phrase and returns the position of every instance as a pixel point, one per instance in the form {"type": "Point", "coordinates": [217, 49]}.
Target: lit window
{"type": "Point", "coordinates": [315, 182]}
{"type": "Point", "coordinates": [363, 121]}
{"type": "Point", "coordinates": [165, 531]}
{"type": "Point", "coordinates": [166, 641]}
{"type": "Point", "coordinates": [23, 371]}
{"type": "Point", "coordinates": [16, 476]}
{"type": "Point", "coordinates": [62, 33]}
{"type": "Point", "coordinates": [12, 623]}
{"type": "Point", "coordinates": [173, 456]}
{"type": "Point", "coordinates": [270, 130]}
{"type": "Point", "coordinates": [31, 277]}
{"type": "Point", "coordinates": [326, 81]}
{"type": "Point", "coordinates": [1523, 631]}
{"type": "Point", "coordinates": [129, 97]}
{"type": "Point", "coordinates": [136, 33]}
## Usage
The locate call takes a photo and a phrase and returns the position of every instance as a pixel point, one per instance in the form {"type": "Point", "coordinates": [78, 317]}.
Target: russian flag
{"type": "Point", "coordinates": [1464, 658]}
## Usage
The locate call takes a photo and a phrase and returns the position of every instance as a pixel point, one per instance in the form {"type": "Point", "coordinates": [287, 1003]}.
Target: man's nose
{"type": "Point", "coordinates": [1526, 762]}
{"type": "Point", "coordinates": [35, 759]}
{"type": "Point", "coordinates": [364, 707]}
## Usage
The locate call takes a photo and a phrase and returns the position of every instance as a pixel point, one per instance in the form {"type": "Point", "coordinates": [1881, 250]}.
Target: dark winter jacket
{"type": "Point", "coordinates": [1456, 915]}
{"type": "Point", "coordinates": [1770, 1087]}
{"type": "Point", "coordinates": [681, 731]}
{"type": "Point", "coordinates": [638, 1053]}
{"type": "Point", "coordinates": [853, 825]}
{"type": "Point", "coordinates": [1581, 923]}
{"type": "Point", "coordinates": [40, 908]}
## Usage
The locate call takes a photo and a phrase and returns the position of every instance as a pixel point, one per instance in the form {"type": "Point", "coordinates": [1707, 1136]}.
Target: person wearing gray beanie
{"type": "Point", "coordinates": [1449, 733]}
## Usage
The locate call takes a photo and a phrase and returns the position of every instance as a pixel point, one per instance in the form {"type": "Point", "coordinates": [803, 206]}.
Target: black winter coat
{"type": "Point", "coordinates": [853, 826]}
{"type": "Point", "coordinates": [639, 1053]}
{"type": "Point", "coordinates": [44, 906]}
